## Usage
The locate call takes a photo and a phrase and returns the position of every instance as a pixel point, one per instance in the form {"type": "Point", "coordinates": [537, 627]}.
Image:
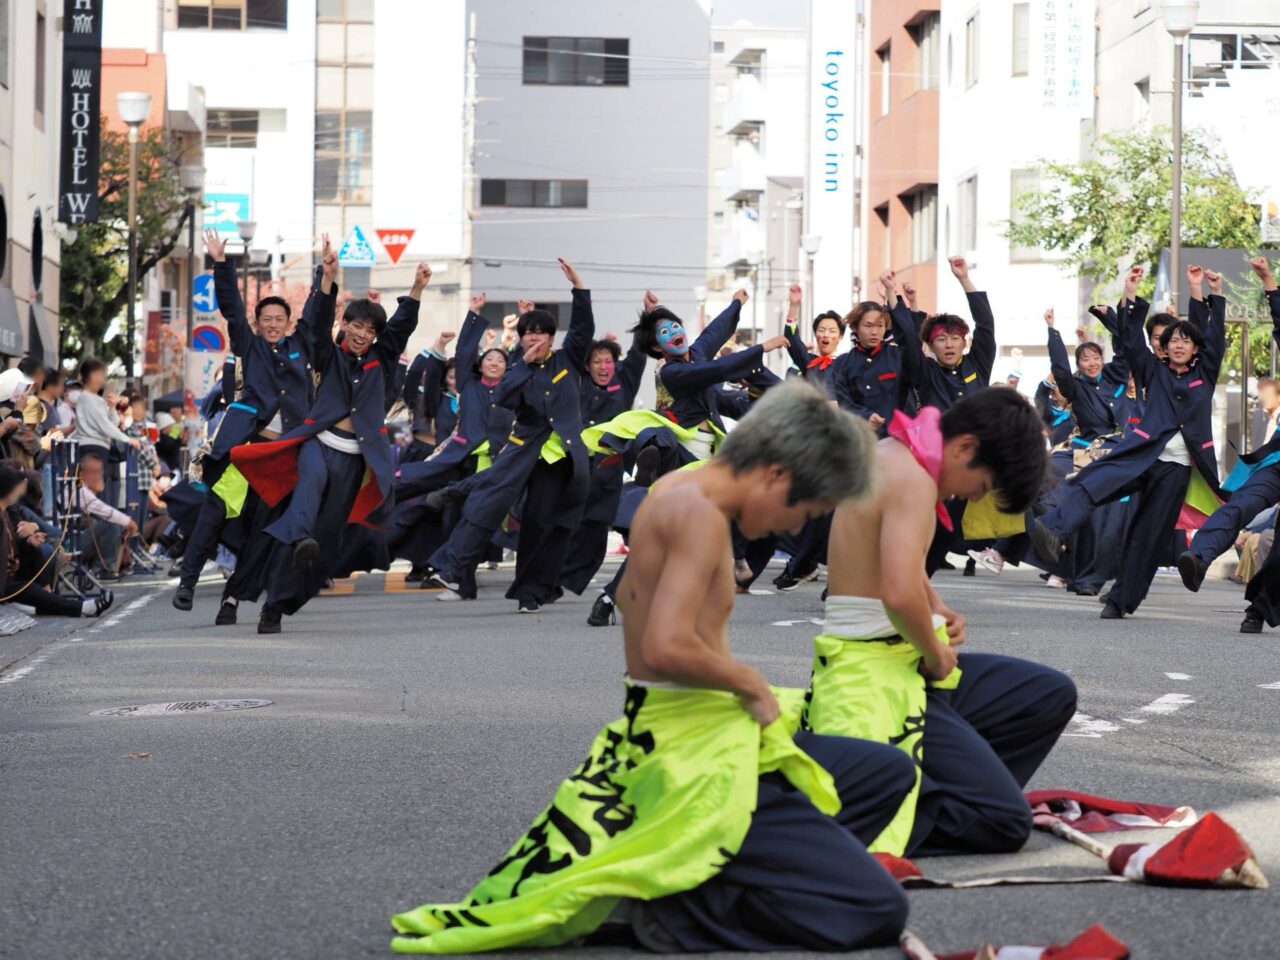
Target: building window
{"type": "Point", "coordinates": [967, 215]}
{"type": "Point", "coordinates": [886, 78]}
{"type": "Point", "coordinates": [232, 128]}
{"type": "Point", "coordinates": [927, 34]}
{"type": "Point", "coordinates": [232, 14]}
{"type": "Point", "coordinates": [923, 205]}
{"type": "Point", "coordinates": [1021, 39]}
{"type": "Point", "coordinates": [533, 193]}
{"type": "Point", "coordinates": [717, 46]}
{"type": "Point", "coordinates": [971, 51]}
{"type": "Point", "coordinates": [41, 31]}
{"type": "Point", "coordinates": [577, 61]}
{"type": "Point", "coordinates": [1142, 100]}
{"type": "Point", "coordinates": [344, 156]}
{"type": "Point", "coordinates": [1022, 183]}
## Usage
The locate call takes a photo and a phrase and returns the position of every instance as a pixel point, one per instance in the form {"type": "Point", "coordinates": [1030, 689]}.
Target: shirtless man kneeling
{"type": "Point", "coordinates": [698, 818]}
{"type": "Point", "coordinates": [886, 669]}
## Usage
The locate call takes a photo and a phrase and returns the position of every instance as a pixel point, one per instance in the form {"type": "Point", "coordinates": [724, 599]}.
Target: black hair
{"type": "Point", "coordinates": [829, 315]}
{"type": "Point", "coordinates": [949, 322]}
{"type": "Point", "coordinates": [9, 479]}
{"type": "Point", "coordinates": [53, 376]}
{"type": "Point", "coordinates": [537, 321]}
{"type": "Point", "coordinates": [1187, 329]}
{"type": "Point", "coordinates": [364, 310]}
{"type": "Point", "coordinates": [854, 316]}
{"type": "Point", "coordinates": [1010, 439]}
{"type": "Point", "coordinates": [272, 302]}
{"type": "Point", "coordinates": [89, 366]}
{"type": "Point", "coordinates": [1157, 320]}
{"type": "Point", "coordinates": [29, 366]}
{"type": "Point", "coordinates": [646, 331]}
{"type": "Point", "coordinates": [613, 349]}
{"type": "Point", "coordinates": [1087, 345]}
{"type": "Point", "coordinates": [506, 358]}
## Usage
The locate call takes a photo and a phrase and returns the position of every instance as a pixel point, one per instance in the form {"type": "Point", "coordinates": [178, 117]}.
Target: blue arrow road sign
{"type": "Point", "coordinates": [203, 297]}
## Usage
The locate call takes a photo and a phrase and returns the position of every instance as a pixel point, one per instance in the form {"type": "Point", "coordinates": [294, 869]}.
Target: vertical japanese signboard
{"type": "Point", "coordinates": [81, 108]}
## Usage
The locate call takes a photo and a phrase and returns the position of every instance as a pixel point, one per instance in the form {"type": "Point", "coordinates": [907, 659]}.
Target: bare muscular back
{"type": "Point", "coordinates": [679, 565]}
{"type": "Point", "coordinates": [857, 529]}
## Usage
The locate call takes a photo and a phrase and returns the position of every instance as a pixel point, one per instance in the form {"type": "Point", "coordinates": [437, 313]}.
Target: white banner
{"type": "Point", "coordinates": [833, 137]}
{"type": "Point", "coordinates": [1061, 55]}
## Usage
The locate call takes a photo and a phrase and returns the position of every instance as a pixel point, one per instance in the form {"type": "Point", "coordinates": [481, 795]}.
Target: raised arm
{"type": "Point", "coordinates": [1214, 326]}
{"type": "Point", "coordinates": [907, 336]}
{"type": "Point", "coordinates": [983, 352]}
{"type": "Point", "coordinates": [719, 330]}
{"type": "Point", "coordinates": [800, 355]}
{"type": "Point", "coordinates": [1262, 268]}
{"type": "Point", "coordinates": [631, 371]}
{"type": "Point", "coordinates": [395, 335]}
{"type": "Point", "coordinates": [1116, 369]}
{"type": "Point", "coordinates": [468, 348]}
{"type": "Point", "coordinates": [582, 322]}
{"type": "Point", "coordinates": [1059, 365]}
{"type": "Point", "coordinates": [683, 379]}
{"type": "Point", "coordinates": [225, 288]}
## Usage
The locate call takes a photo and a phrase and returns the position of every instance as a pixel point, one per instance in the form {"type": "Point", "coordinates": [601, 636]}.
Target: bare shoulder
{"type": "Point", "coordinates": [678, 512]}
{"type": "Point", "coordinates": [901, 476]}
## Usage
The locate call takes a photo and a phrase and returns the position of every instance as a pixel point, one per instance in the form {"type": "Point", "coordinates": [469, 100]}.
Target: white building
{"type": "Point", "coordinates": [1016, 89]}
{"type": "Point", "coordinates": [757, 161]}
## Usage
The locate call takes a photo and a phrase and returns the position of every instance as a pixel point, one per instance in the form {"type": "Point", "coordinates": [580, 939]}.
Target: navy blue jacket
{"type": "Point", "coordinates": [275, 376]}
{"type": "Point", "coordinates": [439, 408]}
{"type": "Point", "coordinates": [940, 386]}
{"type": "Point", "coordinates": [1272, 445]}
{"type": "Point", "coordinates": [356, 387]}
{"type": "Point", "coordinates": [1058, 421]}
{"type": "Point", "coordinates": [816, 373]}
{"type": "Point", "coordinates": [1174, 402]}
{"type": "Point", "coordinates": [600, 405]}
{"type": "Point", "coordinates": [694, 383]}
{"type": "Point", "coordinates": [870, 381]}
{"type": "Point", "coordinates": [479, 418]}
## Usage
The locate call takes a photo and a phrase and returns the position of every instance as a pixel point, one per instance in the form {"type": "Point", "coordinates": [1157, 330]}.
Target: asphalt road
{"type": "Point", "coordinates": [409, 742]}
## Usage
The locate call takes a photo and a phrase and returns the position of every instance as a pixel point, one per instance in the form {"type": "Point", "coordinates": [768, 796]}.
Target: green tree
{"type": "Point", "coordinates": [95, 268]}
{"type": "Point", "coordinates": [1115, 208]}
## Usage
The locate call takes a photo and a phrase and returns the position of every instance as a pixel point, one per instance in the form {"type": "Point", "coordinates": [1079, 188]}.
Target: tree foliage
{"type": "Point", "coordinates": [95, 268]}
{"type": "Point", "coordinates": [1115, 208]}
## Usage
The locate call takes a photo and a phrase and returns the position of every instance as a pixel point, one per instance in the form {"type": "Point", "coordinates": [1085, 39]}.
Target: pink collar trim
{"type": "Point", "coordinates": [923, 437]}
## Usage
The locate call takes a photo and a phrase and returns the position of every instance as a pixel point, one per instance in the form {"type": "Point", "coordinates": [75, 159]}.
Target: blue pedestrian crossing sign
{"type": "Point", "coordinates": [203, 297]}
{"type": "Point", "coordinates": [357, 251]}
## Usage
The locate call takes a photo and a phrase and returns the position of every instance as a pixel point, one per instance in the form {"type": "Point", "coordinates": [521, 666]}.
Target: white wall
{"type": "Point", "coordinates": [263, 70]}
{"type": "Point", "coordinates": [991, 129]}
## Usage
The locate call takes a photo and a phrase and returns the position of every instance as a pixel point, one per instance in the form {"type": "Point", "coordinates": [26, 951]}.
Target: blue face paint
{"type": "Point", "coordinates": [671, 338]}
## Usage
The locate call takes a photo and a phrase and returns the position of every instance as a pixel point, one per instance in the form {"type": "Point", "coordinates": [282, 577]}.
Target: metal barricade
{"type": "Point", "coordinates": [64, 483]}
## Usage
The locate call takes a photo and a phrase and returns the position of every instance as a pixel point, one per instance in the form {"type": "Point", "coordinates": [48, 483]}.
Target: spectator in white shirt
{"type": "Point", "coordinates": [97, 425]}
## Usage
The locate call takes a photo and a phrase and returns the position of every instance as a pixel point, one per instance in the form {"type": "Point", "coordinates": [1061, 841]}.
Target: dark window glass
{"type": "Point", "coordinates": [226, 18]}
{"type": "Point", "coordinates": [591, 62]}
{"type": "Point", "coordinates": [327, 172]}
{"type": "Point", "coordinates": [359, 136]}
{"type": "Point", "coordinates": [562, 61]}
{"type": "Point", "coordinates": [193, 17]}
{"type": "Point", "coordinates": [266, 13]}
{"type": "Point", "coordinates": [617, 68]}
{"type": "Point", "coordinates": [232, 128]}
{"type": "Point", "coordinates": [573, 193]}
{"type": "Point", "coordinates": [328, 132]}
{"type": "Point", "coordinates": [535, 59]}
{"type": "Point", "coordinates": [493, 193]}
{"type": "Point", "coordinates": [519, 193]}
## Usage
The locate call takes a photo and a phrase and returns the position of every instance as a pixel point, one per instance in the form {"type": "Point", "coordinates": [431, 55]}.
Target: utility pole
{"type": "Point", "coordinates": [469, 186]}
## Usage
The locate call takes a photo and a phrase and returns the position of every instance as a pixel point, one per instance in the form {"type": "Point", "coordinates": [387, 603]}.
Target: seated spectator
{"type": "Point", "coordinates": [105, 528]}
{"type": "Point", "coordinates": [157, 509]}
{"type": "Point", "coordinates": [20, 542]}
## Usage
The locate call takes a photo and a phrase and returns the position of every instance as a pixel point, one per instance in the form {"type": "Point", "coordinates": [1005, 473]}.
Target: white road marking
{"type": "Point", "coordinates": [1269, 686]}
{"type": "Point", "coordinates": [1178, 676]}
{"type": "Point", "coordinates": [1084, 725]}
{"type": "Point", "coordinates": [1169, 703]}
{"type": "Point", "coordinates": [792, 623]}
{"type": "Point", "coordinates": [1132, 720]}
{"type": "Point", "coordinates": [23, 671]}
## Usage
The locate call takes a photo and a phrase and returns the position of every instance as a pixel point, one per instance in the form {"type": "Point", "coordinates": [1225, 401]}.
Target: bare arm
{"type": "Point", "coordinates": [696, 541]}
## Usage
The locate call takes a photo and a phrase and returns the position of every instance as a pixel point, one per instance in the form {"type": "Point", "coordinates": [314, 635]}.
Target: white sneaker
{"type": "Point", "coordinates": [990, 559]}
{"type": "Point", "coordinates": [448, 596]}
{"type": "Point", "coordinates": [1056, 582]}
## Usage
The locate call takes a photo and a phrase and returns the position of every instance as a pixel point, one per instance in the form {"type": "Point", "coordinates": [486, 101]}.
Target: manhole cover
{"type": "Point", "coordinates": [174, 709]}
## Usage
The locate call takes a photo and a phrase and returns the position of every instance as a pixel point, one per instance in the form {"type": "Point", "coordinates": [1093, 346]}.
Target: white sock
{"type": "Point", "coordinates": [231, 600]}
{"type": "Point", "coordinates": [89, 608]}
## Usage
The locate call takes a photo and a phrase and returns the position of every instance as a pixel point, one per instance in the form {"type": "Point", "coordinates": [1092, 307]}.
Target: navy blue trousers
{"type": "Point", "coordinates": [328, 481]}
{"type": "Point", "coordinates": [801, 880]}
{"type": "Point", "coordinates": [547, 522]}
{"type": "Point", "coordinates": [1216, 537]}
{"type": "Point", "coordinates": [810, 547]}
{"type": "Point", "coordinates": [1162, 488]}
{"type": "Point", "coordinates": [203, 539]}
{"type": "Point", "coordinates": [982, 743]}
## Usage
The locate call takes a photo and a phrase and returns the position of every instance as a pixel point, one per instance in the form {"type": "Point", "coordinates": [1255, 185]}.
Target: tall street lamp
{"type": "Point", "coordinates": [246, 229]}
{"type": "Point", "coordinates": [1179, 18]}
{"type": "Point", "coordinates": [133, 109]}
{"type": "Point", "coordinates": [192, 177]}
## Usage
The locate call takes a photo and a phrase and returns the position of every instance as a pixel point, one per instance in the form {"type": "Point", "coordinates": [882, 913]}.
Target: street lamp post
{"type": "Point", "coordinates": [810, 243]}
{"type": "Point", "coordinates": [133, 109]}
{"type": "Point", "coordinates": [192, 177]}
{"type": "Point", "coordinates": [246, 229]}
{"type": "Point", "coordinates": [1179, 18]}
